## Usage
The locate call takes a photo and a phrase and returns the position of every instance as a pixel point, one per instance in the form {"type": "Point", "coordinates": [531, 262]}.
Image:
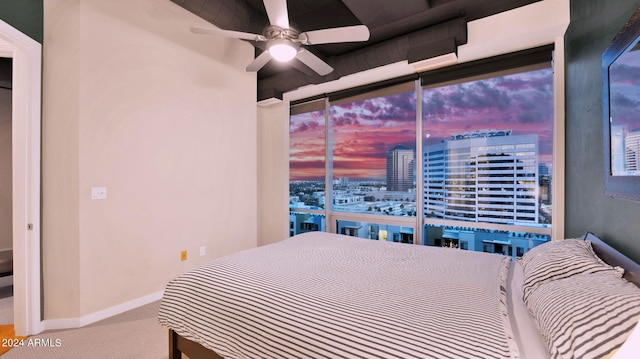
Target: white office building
{"type": "Point", "coordinates": [632, 151]}
{"type": "Point", "coordinates": [485, 176]}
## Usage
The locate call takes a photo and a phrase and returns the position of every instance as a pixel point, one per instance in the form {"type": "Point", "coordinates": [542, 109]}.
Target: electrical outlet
{"type": "Point", "coordinates": [183, 255]}
{"type": "Point", "coordinates": [203, 251]}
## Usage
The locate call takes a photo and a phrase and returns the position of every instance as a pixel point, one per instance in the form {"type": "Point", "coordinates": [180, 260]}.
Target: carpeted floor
{"type": "Point", "coordinates": [6, 300]}
{"type": "Point", "coordinates": [134, 334]}
{"type": "Point", "coordinates": [6, 310]}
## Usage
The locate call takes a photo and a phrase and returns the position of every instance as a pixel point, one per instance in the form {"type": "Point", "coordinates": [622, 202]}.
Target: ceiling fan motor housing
{"type": "Point", "coordinates": [272, 32]}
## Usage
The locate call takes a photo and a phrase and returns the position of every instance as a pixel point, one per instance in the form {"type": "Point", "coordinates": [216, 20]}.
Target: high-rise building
{"type": "Point", "coordinates": [543, 170]}
{"type": "Point", "coordinates": [400, 168]}
{"type": "Point", "coordinates": [632, 151]}
{"type": "Point", "coordinates": [485, 176]}
{"type": "Point", "coordinates": [618, 161]}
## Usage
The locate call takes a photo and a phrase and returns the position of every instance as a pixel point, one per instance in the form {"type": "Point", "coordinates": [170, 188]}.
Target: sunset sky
{"type": "Point", "coordinates": [364, 131]}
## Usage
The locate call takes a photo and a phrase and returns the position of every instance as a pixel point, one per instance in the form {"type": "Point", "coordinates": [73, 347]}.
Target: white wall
{"type": "Point", "coordinates": [166, 121]}
{"type": "Point", "coordinates": [6, 217]}
{"type": "Point", "coordinates": [530, 26]}
{"type": "Point", "coordinates": [273, 173]}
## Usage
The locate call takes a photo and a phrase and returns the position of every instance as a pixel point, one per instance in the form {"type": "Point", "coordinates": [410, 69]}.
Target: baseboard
{"type": "Point", "coordinates": [72, 323]}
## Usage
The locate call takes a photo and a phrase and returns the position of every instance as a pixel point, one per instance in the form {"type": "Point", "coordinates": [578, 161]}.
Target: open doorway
{"type": "Point", "coordinates": [26, 60]}
{"type": "Point", "coordinates": [6, 190]}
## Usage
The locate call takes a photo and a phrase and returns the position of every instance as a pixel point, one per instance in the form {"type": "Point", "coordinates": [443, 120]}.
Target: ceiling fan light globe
{"type": "Point", "coordinates": [282, 51]}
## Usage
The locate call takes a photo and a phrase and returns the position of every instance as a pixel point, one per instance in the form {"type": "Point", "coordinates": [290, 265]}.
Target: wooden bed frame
{"type": "Point", "coordinates": [179, 345]}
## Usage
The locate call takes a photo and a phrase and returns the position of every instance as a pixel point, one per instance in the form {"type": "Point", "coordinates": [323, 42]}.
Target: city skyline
{"type": "Point", "coordinates": [365, 130]}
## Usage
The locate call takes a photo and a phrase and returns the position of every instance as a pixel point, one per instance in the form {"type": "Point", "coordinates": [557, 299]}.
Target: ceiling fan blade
{"type": "Point", "coordinates": [259, 62]}
{"type": "Point", "coordinates": [314, 62]}
{"type": "Point", "coordinates": [277, 12]}
{"type": "Point", "coordinates": [338, 34]}
{"type": "Point", "coordinates": [227, 33]}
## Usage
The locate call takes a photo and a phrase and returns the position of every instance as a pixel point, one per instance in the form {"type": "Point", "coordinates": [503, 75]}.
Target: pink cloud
{"type": "Point", "coordinates": [364, 131]}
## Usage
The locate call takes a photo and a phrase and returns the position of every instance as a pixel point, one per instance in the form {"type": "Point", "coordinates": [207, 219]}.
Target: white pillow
{"type": "Point", "coordinates": [560, 259]}
{"type": "Point", "coordinates": [587, 315]}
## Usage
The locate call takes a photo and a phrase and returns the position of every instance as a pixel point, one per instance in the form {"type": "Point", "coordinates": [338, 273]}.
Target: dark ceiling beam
{"type": "Point", "coordinates": [432, 49]}
{"type": "Point", "coordinates": [477, 9]}
{"type": "Point", "coordinates": [420, 44]}
{"type": "Point", "coordinates": [417, 30]}
{"type": "Point", "coordinates": [418, 21]}
{"type": "Point", "coordinates": [386, 23]}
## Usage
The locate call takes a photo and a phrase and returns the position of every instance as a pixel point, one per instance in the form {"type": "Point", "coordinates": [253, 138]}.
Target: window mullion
{"type": "Point", "coordinates": [328, 171]}
{"type": "Point", "coordinates": [419, 164]}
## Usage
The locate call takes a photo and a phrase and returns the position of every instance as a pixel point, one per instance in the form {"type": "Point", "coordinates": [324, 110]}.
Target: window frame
{"type": "Point", "coordinates": [521, 61]}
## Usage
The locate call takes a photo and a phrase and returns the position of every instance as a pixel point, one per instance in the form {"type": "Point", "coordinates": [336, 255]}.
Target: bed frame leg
{"type": "Point", "coordinates": [174, 353]}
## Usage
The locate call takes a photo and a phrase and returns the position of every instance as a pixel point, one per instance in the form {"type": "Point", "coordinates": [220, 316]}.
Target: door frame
{"type": "Point", "coordinates": [26, 138]}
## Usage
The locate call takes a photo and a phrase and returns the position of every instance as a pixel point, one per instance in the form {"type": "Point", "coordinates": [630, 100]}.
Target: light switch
{"type": "Point", "coordinates": [98, 192]}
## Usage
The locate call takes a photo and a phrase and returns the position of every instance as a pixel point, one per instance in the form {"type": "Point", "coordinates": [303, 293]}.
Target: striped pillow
{"type": "Point", "coordinates": [560, 259]}
{"type": "Point", "coordinates": [587, 315]}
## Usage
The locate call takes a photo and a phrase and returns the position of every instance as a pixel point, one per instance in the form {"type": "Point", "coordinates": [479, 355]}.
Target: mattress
{"type": "Point", "coordinates": [322, 295]}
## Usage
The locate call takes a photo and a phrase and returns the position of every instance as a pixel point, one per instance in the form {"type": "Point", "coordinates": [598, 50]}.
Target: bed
{"type": "Point", "coordinates": [322, 295]}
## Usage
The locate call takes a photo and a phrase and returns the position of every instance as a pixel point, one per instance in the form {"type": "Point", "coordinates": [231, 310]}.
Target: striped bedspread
{"type": "Point", "coordinates": [320, 295]}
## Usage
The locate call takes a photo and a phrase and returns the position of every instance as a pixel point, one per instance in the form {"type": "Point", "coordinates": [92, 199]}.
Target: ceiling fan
{"type": "Point", "coordinates": [284, 42]}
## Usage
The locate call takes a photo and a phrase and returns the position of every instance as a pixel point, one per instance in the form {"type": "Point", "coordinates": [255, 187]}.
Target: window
{"type": "Point", "coordinates": [307, 168]}
{"type": "Point", "coordinates": [307, 157]}
{"type": "Point", "coordinates": [478, 177]}
{"type": "Point", "coordinates": [488, 149]}
{"type": "Point", "coordinates": [374, 141]}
